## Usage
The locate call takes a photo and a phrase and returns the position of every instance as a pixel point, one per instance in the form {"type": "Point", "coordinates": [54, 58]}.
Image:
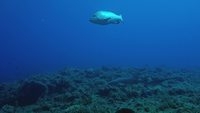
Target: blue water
{"type": "Point", "coordinates": [47, 35]}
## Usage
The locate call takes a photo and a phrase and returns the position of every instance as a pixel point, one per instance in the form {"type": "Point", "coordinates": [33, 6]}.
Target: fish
{"type": "Point", "coordinates": [105, 18]}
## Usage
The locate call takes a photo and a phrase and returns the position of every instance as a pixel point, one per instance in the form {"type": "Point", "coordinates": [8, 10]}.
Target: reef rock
{"type": "Point", "coordinates": [30, 92]}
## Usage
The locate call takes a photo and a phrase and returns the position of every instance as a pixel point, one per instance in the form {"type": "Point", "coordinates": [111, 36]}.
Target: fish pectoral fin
{"type": "Point", "coordinates": [107, 19]}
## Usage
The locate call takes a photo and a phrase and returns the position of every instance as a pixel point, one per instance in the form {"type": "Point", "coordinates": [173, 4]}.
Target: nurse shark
{"type": "Point", "coordinates": [105, 18]}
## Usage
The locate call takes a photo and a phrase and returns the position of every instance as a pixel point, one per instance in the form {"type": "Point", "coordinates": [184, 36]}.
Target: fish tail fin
{"type": "Point", "coordinates": [121, 18]}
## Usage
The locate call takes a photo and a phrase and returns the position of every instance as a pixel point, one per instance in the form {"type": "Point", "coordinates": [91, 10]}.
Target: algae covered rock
{"type": "Point", "coordinates": [125, 110]}
{"type": "Point", "coordinates": [7, 109]}
{"type": "Point", "coordinates": [30, 92]}
{"type": "Point", "coordinates": [76, 109]}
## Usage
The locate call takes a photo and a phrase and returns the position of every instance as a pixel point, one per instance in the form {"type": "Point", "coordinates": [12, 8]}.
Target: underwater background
{"type": "Point", "coordinates": [54, 59]}
{"type": "Point", "coordinates": [47, 35]}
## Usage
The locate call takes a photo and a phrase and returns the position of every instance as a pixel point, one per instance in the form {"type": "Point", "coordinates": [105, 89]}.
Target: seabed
{"type": "Point", "coordinates": [104, 90]}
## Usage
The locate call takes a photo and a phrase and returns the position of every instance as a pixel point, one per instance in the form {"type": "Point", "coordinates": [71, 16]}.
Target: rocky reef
{"type": "Point", "coordinates": [104, 90]}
